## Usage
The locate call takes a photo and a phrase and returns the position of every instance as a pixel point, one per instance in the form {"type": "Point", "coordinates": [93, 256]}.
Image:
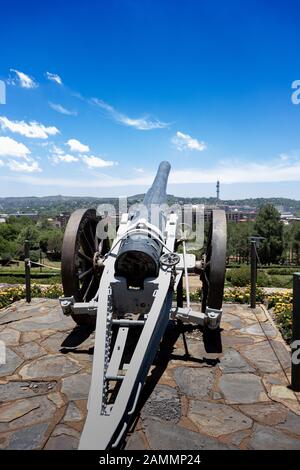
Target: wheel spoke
{"type": "Point", "coordinates": [89, 286]}
{"type": "Point", "coordinates": [85, 273]}
{"type": "Point", "coordinates": [89, 245]}
{"type": "Point", "coordinates": [93, 237]}
{"type": "Point", "coordinates": [84, 256]}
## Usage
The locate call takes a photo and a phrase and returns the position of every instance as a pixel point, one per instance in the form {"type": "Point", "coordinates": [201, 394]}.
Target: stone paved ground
{"type": "Point", "coordinates": [192, 399]}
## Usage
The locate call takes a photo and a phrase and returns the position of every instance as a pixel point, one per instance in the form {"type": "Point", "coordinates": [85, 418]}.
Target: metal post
{"type": "Point", "coordinates": [27, 271]}
{"type": "Point", "coordinates": [180, 293]}
{"type": "Point", "coordinates": [253, 274]}
{"type": "Point", "coordinates": [41, 259]}
{"type": "Point", "coordinates": [295, 378]}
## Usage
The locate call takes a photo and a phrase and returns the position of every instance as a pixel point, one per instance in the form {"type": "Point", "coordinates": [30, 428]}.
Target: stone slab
{"type": "Point", "coordinates": [18, 389]}
{"type": "Point", "coordinates": [30, 438]}
{"type": "Point", "coordinates": [13, 361]}
{"type": "Point", "coordinates": [76, 387]}
{"type": "Point", "coordinates": [217, 419]}
{"type": "Point", "coordinates": [194, 382]}
{"type": "Point", "coordinates": [264, 438]}
{"type": "Point", "coordinates": [232, 362]}
{"type": "Point", "coordinates": [265, 413]}
{"type": "Point", "coordinates": [50, 366]}
{"type": "Point", "coordinates": [173, 437]}
{"type": "Point", "coordinates": [262, 356]}
{"type": "Point", "coordinates": [164, 403]}
{"type": "Point", "coordinates": [242, 388]}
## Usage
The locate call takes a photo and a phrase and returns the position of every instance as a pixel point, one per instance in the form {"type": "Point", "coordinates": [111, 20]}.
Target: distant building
{"type": "Point", "coordinates": [32, 215]}
{"type": "Point", "coordinates": [54, 223]}
{"type": "Point", "coordinates": [62, 219]}
{"type": "Point", "coordinates": [233, 213]}
{"type": "Point", "coordinates": [288, 218]}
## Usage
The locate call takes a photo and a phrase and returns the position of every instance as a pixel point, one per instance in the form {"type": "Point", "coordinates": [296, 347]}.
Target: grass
{"type": "Point", "coordinates": [15, 274]}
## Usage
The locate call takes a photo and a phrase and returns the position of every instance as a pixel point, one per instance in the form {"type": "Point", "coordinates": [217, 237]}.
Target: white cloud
{"type": "Point", "coordinates": [139, 170]}
{"type": "Point", "coordinates": [23, 80]}
{"type": "Point", "coordinates": [58, 150]}
{"type": "Point", "coordinates": [142, 123]}
{"type": "Point", "coordinates": [236, 171]}
{"type": "Point", "coordinates": [186, 142]}
{"type": "Point", "coordinates": [97, 162]}
{"type": "Point", "coordinates": [59, 156]}
{"type": "Point", "coordinates": [64, 158]}
{"type": "Point", "coordinates": [62, 110]}
{"type": "Point", "coordinates": [24, 167]}
{"type": "Point", "coordinates": [1, 163]}
{"type": "Point", "coordinates": [54, 78]}
{"type": "Point", "coordinates": [11, 148]}
{"type": "Point", "coordinates": [33, 129]}
{"type": "Point", "coordinates": [76, 146]}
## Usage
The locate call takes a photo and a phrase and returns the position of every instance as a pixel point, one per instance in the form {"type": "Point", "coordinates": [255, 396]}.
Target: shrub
{"type": "Point", "coordinates": [240, 277]}
{"type": "Point", "coordinates": [14, 293]}
{"type": "Point", "coordinates": [281, 271]}
{"type": "Point", "coordinates": [285, 281]}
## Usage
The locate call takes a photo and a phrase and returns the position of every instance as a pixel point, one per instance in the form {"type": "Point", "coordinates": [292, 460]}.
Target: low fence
{"type": "Point", "coordinates": [28, 263]}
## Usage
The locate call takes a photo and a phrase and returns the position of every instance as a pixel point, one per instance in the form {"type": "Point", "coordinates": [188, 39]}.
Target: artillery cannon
{"type": "Point", "coordinates": [126, 290]}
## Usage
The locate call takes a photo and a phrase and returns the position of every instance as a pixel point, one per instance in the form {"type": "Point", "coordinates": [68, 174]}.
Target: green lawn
{"type": "Point", "coordinates": [15, 274]}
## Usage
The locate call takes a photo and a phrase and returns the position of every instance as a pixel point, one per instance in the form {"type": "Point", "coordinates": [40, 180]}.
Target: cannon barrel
{"type": "Point", "coordinates": [157, 194]}
{"type": "Point", "coordinates": [139, 254]}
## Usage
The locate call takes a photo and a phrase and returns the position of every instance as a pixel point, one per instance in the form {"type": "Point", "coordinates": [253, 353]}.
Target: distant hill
{"type": "Point", "coordinates": [53, 205]}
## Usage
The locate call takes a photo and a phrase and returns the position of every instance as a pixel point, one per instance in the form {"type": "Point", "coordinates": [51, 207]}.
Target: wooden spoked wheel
{"type": "Point", "coordinates": [81, 251]}
{"type": "Point", "coordinates": [214, 262]}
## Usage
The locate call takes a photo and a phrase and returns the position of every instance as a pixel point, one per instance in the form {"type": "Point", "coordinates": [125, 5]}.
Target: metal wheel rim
{"type": "Point", "coordinates": [79, 276]}
{"type": "Point", "coordinates": [213, 275]}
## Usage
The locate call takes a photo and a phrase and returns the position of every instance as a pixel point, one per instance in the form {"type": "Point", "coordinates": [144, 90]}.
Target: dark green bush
{"type": "Point", "coordinates": [280, 271]}
{"type": "Point", "coordinates": [240, 277]}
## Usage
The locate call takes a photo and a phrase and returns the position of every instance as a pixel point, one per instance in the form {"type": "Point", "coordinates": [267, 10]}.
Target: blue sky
{"type": "Point", "coordinates": [98, 93]}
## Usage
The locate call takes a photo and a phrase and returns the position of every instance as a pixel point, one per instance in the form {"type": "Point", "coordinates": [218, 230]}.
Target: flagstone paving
{"type": "Point", "coordinates": [193, 399]}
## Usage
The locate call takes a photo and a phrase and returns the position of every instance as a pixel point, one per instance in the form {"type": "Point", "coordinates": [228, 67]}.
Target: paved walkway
{"type": "Point", "coordinates": [192, 400]}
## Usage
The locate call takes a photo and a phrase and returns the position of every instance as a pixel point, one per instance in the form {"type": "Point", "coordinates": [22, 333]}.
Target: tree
{"type": "Point", "coordinates": [296, 241]}
{"type": "Point", "coordinates": [31, 233]}
{"type": "Point", "coordinates": [55, 241]}
{"type": "Point", "coordinates": [269, 226]}
{"type": "Point", "coordinates": [238, 240]}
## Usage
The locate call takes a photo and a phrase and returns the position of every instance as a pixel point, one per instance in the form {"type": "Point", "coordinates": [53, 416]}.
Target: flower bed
{"type": "Point", "coordinates": [281, 306]}
{"type": "Point", "coordinates": [14, 293]}
{"type": "Point", "coordinates": [241, 295]}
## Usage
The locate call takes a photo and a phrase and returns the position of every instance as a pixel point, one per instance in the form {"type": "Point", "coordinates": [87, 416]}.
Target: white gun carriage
{"type": "Point", "coordinates": [126, 289]}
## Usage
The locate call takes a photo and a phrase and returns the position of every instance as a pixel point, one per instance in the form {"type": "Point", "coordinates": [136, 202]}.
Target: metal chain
{"type": "Point", "coordinates": [107, 350]}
